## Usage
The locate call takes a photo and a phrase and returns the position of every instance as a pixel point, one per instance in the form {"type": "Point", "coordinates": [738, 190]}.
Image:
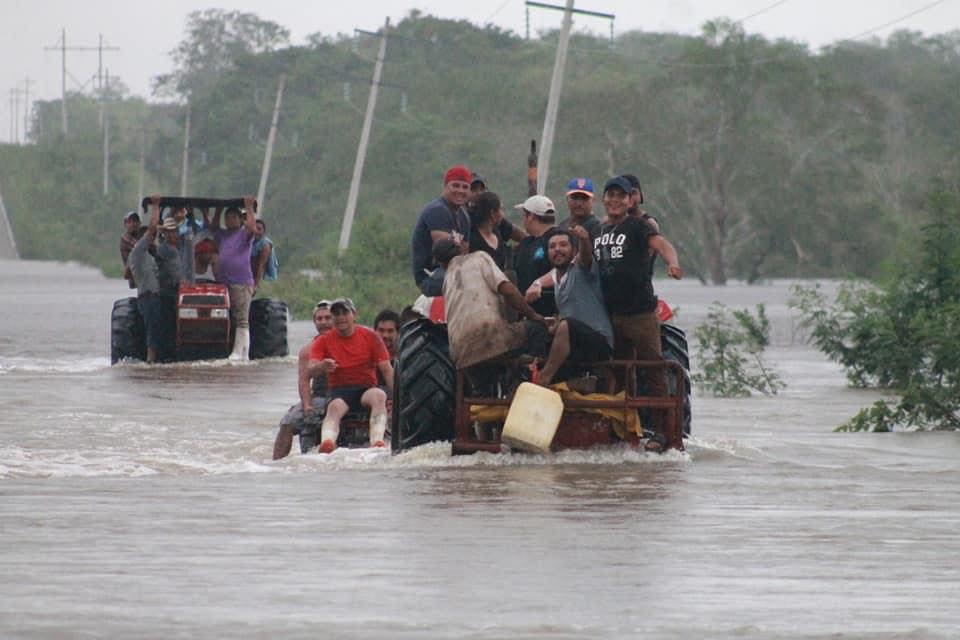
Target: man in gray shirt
{"type": "Point", "coordinates": [146, 274]}
{"type": "Point", "coordinates": [582, 332]}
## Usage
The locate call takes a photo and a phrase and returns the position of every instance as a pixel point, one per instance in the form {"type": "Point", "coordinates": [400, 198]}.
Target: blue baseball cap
{"type": "Point", "coordinates": [580, 185]}
{"type": "Point", "coordinates": [618, 182]}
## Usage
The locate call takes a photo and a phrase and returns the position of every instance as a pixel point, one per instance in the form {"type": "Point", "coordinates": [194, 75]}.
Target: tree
{"type": "Point", "coordinates": [902, 334]}
{"type": "Point", "coordinates": [214, 41]}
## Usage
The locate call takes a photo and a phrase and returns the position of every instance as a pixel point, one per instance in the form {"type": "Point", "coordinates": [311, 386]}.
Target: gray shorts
{"type": "Point", "coordinates": [294, 417]}
{"type": "Point", "coordinates": [240, 296]}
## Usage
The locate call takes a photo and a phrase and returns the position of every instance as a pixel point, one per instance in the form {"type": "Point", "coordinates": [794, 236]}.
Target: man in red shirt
{"type": "Point", "coordinates": [351, 355]}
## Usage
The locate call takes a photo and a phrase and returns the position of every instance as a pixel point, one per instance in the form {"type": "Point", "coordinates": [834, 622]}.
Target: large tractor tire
{"type": "Point", "coordinates": [424, 386]}
{"type": "Point", "coordinates": [673, 344]}
{"type": "Point", "coordinates": [268, 328]}
{"type": "Point", "coordinates": [128, 336]}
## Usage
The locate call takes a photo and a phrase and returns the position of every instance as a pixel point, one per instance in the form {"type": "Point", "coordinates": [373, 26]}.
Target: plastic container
{"type": "Point", "coordinates": [533, 418]}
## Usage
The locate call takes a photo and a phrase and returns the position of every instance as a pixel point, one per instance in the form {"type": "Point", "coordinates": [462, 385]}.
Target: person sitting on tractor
{"type": "Point", "coordinates": [233, 268]}
{"type": "Point", "coordinates": [582, 333]}
{"type": "Point", "coordinates": [184, 227]}
{"type": "Point", "coordinates": [443, 217]}
{"type": "Point", "coordinates": [475, 294]}
{"type": "Point", "coordinates": [312, 387]}
{"type": "Point", "coordinates": [350, 355]}
{"type": "Point", "coordinates": [205, 261]}
{"type": "Point", "coordinates": [387, 326]}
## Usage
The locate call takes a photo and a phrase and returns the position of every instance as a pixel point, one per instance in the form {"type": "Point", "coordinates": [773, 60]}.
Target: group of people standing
{"type": "Point", "coordinates": [583, 288]}
{"type": "Point", "coordinates": [237, 254]}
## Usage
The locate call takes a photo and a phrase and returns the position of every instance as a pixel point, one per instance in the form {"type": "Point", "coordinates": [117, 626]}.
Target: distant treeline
{"type": "Point", "coordinates": [761, 158]}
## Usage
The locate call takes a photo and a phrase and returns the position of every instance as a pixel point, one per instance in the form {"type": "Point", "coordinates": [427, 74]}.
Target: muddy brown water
{"type": "Point", "coordinates": [140, 502]}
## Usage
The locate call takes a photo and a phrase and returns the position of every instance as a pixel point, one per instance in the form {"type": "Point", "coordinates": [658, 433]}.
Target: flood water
{"type": "Point", "coordinates": [140, 502]}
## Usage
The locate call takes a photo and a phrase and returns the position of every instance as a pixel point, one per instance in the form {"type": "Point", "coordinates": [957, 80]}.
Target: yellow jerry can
{"type": "Point", "coordinates": [533, 418]}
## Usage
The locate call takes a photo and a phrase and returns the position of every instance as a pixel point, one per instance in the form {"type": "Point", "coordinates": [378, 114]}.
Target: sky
{"type": "Point", "coordinates": [146, 31]}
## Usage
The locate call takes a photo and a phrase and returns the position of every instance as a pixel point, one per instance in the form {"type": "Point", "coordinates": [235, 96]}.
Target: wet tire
{"type": "Point", "coordinates": [128, 338]}
{"type": "Point", "coordinates": [673, 344]}
{"type": "Point", "coordinates": [424, 386]}
{"type": "Point", "coordinates": [268, 328]}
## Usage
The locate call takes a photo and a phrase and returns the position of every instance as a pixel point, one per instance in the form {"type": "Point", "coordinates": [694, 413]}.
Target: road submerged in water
{"type": "Point", "coordinates": [140, 501]}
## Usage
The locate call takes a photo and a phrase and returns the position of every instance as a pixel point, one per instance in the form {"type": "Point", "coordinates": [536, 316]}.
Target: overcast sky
{"type": "Point", "coordinates": [146, 31]}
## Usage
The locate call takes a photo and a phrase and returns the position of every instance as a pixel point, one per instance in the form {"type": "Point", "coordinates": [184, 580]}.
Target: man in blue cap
{"type": "Point", "coordinates": [623, 254]}
{"type": "Point", "coordinates": [580, 204]}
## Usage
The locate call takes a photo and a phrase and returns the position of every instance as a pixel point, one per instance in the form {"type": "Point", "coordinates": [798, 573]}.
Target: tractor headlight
{"type": "Point", "coordinates": [188, 313]}
{"type": "Point", "coordinates": [219, 313]}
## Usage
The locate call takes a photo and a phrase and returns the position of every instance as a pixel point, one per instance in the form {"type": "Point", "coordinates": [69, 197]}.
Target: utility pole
{"type": "Point", "coordinates": [556, 83]}
{"type": "Point", "coordinates": [186, 154]}
{"type": "Point", "coordinates": [268, 154]}
{"type": "Point", "coordinates": [26, 108]}
{"type": "Point", "coordinates": [62, 46]}
{"type": "Point", "coordinates": [106, 143]}
{"type": "Point", "coordinates": [351, 209]}
{"type": "Point", "coordinates": [553, 101]}
{"type": "Point", "coordinates": [143, 161]}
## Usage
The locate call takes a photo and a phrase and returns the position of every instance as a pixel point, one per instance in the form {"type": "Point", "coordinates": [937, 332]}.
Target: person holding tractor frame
{"type": "Point", "coordinates": [233, 268]}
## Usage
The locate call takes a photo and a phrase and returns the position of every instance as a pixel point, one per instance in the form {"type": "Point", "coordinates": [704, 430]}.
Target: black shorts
{"type": "Point", "coordinates": [586, 345]}
{"type": "Point", "coordinates": [350, 395]}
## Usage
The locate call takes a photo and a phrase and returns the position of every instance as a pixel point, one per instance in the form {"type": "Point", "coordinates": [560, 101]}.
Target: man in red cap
{"type": "Point", "coordinates": [444, 217]}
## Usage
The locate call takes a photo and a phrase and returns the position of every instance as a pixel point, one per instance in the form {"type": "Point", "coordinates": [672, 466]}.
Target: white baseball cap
{"type": "Point", "coordinates": [538, 205]}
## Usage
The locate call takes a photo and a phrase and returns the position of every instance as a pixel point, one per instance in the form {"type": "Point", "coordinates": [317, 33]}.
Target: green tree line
{"type": "Point", "coordinates": [761, 158]}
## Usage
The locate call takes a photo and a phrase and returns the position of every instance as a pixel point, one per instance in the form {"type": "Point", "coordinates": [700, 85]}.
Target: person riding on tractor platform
{"type": "Point", "coordinates": [312, 388]}
{"type": "Point", "coordinates": [351, 355]}
{"type": "Point", "coordinates": [233, 268]}
{"type": "Point", "coordinates": [582, 332]}
{"type": "Point", "coordinates": [623, 253]}
{"type": "Point", "coordinates": [443, 217]}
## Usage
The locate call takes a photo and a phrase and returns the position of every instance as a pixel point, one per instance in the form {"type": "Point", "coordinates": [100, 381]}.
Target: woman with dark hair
{"type": "Point", "coordinates": [486, 216]}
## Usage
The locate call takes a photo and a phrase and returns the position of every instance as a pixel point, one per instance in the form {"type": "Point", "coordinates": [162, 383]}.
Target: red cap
{"type": "Point", "coordinates": [458, 172]}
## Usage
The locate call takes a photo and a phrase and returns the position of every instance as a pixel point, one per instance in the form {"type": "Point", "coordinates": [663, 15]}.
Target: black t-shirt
{"type": "Point", "coordinates": [499, 255]}
{"type": "Point", "coordinates": [530, 262]}
{"type": "Point", "coordinates": [622, 253]}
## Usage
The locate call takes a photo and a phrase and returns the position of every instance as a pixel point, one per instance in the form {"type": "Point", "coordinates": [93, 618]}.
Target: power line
{"type": "Point", "coordinates": [893, 22]}
{"type": "Point", "coordinates": [761, 11]}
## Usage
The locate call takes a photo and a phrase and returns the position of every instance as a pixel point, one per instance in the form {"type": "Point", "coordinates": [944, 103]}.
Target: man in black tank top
{"type": "Point", "coordinates": [302, 418]}
{"type": "Point", "coordinates": [623, 253]}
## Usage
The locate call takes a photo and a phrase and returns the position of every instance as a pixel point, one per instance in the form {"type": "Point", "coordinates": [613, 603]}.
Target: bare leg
{"type": "Point", "coordinates": [281, 446]}
{"type": "Point", "coordinates": [376, 400]}
{"type": "Point", "coordinates": [331, 425]}
{"type": "Point", "coordinates": [559, 351]}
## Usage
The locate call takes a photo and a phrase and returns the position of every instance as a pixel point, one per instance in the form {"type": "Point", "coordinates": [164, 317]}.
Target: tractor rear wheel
{"type": "Point", "coordinates": [268, 328]}
{"type": "Point", "coordinates": [424, 386]}
{"type": "Point", "coordinates": [128, 339]}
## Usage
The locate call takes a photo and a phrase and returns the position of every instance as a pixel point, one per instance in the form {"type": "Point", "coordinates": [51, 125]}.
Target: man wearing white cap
{"type": "Point", "coordinates": [530, 258]}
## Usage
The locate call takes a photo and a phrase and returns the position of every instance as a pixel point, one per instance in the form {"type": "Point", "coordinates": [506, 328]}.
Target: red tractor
{"type": "Point", "coordinates": [204, 327]}
{"type": "Point", "coordinates": [433, 401]}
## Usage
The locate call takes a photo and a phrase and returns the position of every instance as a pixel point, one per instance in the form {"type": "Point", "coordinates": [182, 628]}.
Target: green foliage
{"type": "Point", "coordinates": [760, 158]}
{"type": "Point", "coordinates": [730, 348]}
{"type": "Point", "coordinates": [901, 335]}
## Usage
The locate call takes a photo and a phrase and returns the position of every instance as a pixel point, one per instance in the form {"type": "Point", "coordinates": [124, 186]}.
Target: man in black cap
{"type": "Point", "coordinates": [623, 254]}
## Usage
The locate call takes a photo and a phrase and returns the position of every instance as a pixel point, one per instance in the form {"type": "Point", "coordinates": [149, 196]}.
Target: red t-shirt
{"type": "Point", "coordinates": [357, 356]}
